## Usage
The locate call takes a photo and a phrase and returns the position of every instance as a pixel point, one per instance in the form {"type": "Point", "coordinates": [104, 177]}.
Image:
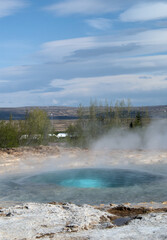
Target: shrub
{"type": "Point", "coordinates": [9, 134]}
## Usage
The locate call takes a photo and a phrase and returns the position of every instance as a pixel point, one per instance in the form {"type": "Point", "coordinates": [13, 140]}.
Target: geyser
{"type": "Point", "coordinates": [92, 178]}
{"type": "Point", "coordinates": [91, 186]}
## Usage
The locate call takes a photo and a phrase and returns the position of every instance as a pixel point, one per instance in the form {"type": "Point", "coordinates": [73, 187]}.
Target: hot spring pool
{"type": "Point", "coordinates": [93, 186]}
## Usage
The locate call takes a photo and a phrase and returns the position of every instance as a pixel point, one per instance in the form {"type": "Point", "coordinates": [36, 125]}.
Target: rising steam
{"type": "Point", "coordinates": [152, 137]}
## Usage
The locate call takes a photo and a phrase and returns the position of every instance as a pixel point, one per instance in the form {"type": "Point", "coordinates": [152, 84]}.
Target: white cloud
{"type": "Point", "coordinates": [80, 90]}
{"type": "Point", "coordinates": [86, 7]}
{"type": "Point", "coordinates": [146, 42]}
{"type": "Point", "coordinates": [13, 71]}
{"type": "Point", "coordinates": [96, 86]}
{"type": "Point", "coordinates": [57, 50]}
{"type": "Point", "coordinates": [155, 36]}
{"type": "Point", "coordinates": [91, 7]}
{"type": "Point", "coordinates": [145, 63]}
{"type": "Point", "coordinates": [8, 7]}
{"type": "Point", "coordinates": [74, 59]}
{"type": "Point", "coordinates": [145, 12]}
{"type": "Point", "coordinates": [100, 23]}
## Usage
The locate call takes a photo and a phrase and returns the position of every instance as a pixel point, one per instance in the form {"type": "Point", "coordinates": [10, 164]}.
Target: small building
{"type": "Point", "coordinates": [62, 135]}
{"type": "Point", "coordinates": [52, 135]}
{"type": "Point", "coordinates": [23, 137]}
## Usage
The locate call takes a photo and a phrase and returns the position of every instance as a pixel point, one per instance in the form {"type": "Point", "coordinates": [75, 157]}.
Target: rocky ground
{"type": "Point", "coordinates": [25, 221]}
{"type": "Point", "coordinates": [71, 222]}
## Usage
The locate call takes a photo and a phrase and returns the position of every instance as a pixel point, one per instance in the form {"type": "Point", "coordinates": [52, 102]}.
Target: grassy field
{"type": "Point", "coordinates": [62, 125]}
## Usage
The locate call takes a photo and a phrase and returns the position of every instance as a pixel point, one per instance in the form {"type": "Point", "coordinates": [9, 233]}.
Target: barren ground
{"type": "Point", "coordinates": [22, 159]}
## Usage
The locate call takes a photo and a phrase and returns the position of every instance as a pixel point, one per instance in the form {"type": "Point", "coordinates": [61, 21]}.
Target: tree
{"type": "Point", "coordinates": [138, 120]}
{"type": "Point", "coordinates": [117, 114]}
{"type": "Point", "coordinates": [97, 120]}
{"type": "Point", "coordinates": [129, 106]}
{"type": "Point", "coordinates": [36, 126]}
{"type": "Point", "coordinates": [9, 134]}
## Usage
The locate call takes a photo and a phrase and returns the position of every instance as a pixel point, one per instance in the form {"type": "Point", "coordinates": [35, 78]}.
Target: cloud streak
{"type": "Point", "coordinates": [87, 7]}
{"type": "Point", "coordinates": [138, 44]}
{"type": "Point", "coordinates": [145, 12]}
{"type": "Point", "coordinates": [9, 7]}
{"type": "Point", "coordinates": [128, 83]}
{"type": "Point", "coordinates": [100, 23]}
{"type": "Point", "coordinates": [79, 90]}
{"type": "Point", "coordinates": [57, 50]}
{"type": "Point", "coordinates": [101, 7]}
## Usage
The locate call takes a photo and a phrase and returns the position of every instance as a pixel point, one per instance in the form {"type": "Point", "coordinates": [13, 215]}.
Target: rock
{"type": "Point", "coordinates": [8, 214]}
{"type": "Point", "coordinates": [122, 221]}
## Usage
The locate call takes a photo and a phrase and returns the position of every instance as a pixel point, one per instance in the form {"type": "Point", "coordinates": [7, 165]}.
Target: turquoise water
{"type": "Point", "coordinates": [91, 186]}
{"type": "Point", "coordinates": [93, 178]}
{"type": "Point", "coordinates": [82, 183]}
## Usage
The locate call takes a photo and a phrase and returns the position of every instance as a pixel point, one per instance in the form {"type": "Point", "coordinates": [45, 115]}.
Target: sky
{"type": "Point", "coordinates": [67, 52]}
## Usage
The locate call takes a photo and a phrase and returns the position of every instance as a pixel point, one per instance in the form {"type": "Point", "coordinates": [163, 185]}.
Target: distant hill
{"type": "Point", "coordinates": [70, 113]}
{"type": "Point", "coordinates": [154, 111]}
{"type": "Point", "coordinates": [53, 112]}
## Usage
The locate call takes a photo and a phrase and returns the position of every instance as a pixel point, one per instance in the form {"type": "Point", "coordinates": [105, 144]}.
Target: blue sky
{"type": "Point", "coordinates": [66, 52]}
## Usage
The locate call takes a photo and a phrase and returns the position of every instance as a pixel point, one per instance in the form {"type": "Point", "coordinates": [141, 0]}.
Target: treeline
{"type": "Point", "coordinates": [32, 131]}
{"type": "Point", "coordinates": [93, 122]}
{"type": "Point", "coordinates": [98, 119]}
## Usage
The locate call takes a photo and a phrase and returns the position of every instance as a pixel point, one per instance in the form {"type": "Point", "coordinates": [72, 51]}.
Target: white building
{"type": "Point", "coordinates": [62, 135]}
{"type": "Point", "coordinates": [52, 135]}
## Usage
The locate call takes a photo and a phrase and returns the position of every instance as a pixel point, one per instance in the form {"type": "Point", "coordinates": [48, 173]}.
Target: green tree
{"type": "Point", "coordinates": [9, 134]}
{"type": "Point", "coordinates": [97, 120]}
{"type": "Point", "coordinates": [36, 126]}
{"type": "Point", "coordinates": [138, 120]}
